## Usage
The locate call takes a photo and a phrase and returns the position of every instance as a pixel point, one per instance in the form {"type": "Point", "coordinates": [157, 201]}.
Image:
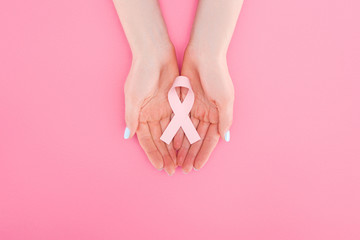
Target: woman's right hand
{"type": "Point", "coordinates": [147, 110]}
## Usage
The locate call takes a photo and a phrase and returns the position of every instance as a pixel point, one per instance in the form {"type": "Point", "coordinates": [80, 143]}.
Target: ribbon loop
{"type": "Point", "coordinates": [181, 113]}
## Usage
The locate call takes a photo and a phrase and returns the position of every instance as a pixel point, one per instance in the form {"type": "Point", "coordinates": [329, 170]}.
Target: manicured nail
{"type": "Point", "coordinates": [196, 169]}
{"type": "Point", "coordinates": [227, 136]}
{"type": "Point", "coordinates": [127, 133]}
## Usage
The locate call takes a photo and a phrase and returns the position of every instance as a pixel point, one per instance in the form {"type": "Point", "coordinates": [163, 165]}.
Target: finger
{"type": "Point", "coordinates": [131, 119]}
{"type": "Point", "coordinates": [185, 145]}
{"type": "Point", "coordinates": [225, 120]}
{"type": "Point", "coordinates": [178, 139]}
{"type": "Point", "coordinates": [147, 143]}
{"type": "Point", "coordinates": [183, 151]}
{"type": "Point", "coordinates": [164, 123]}
{"type": "Point", "coordinates": [208, 145]}
{"type": "Point", "coordinates": [194, 148]}
{"type": "Point", "coordinates": [155, 130]}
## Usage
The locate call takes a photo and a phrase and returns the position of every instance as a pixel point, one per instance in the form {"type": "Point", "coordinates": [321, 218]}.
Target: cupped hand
{"type": "Point", "coordinates": [212, 111]}
{"type": "Point", "coordinates": [147, 110]}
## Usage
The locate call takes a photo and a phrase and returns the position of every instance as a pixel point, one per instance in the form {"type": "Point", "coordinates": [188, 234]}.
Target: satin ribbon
{"type": "Point", "coordinates": [181, 113]}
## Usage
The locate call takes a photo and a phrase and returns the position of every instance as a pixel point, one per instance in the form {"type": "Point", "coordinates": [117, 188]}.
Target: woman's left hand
{"type": "Point", "coordinates": [212, 111]}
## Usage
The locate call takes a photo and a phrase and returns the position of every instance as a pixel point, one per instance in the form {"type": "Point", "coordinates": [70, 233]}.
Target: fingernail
{"type": "Point", "coordinates": [196, 169]}
{"type": "Point", "coordinates": [127, 133]}
{"type": "Point", "coordinates": [227, 136]}
{"type": "Point", "coordinates": [160, 169]}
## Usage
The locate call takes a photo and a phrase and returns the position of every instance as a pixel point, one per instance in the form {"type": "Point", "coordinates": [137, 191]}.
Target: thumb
{"type": "Point", "coordinates": [225, 120]}
{"type": "Point", "coordinates": [131, 119]}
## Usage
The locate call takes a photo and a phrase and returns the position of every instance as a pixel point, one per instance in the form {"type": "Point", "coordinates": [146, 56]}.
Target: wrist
{"type": "Point", "coordinates": [211, 68]}
{"type": "Point", "coordinates": [205, 58]}
{"type": "Point", "coordinates": [153, 49]}
{"type": "Point", "coordinates": [147, 66]}
{"type": "Point", "coordinates": [208, 47]}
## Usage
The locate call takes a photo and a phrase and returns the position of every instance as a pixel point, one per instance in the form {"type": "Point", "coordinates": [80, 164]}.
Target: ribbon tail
{"type": "Point", "coordinates": [170, 130]}
{"type": "Point", "coordinates": [190, 131]}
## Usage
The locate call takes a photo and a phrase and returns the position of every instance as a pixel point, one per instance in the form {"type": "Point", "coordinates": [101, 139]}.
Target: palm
{"type": "Point", "coordinates": [204, 109]}
{"type": "Point", "coordinates": [155, 109]}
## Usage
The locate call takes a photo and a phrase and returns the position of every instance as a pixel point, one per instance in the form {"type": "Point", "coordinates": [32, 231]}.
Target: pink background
{"type": "Point", "coordinates": [291, 170]}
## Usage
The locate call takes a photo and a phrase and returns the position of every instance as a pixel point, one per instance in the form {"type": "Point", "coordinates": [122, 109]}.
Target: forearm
{"type": "Point", "coordinates": [214, 26]}
{"type": "Point", "coordinates": [144, 26]}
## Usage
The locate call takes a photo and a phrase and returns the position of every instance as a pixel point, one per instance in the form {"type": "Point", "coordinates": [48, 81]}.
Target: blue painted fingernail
{"type": "Point", "coordinates": [127, 133]}
{"type": "Point", "coordinates": [227, 136]}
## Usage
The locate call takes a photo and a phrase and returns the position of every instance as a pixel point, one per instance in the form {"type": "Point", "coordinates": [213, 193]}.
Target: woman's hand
{"type": "Point", "coordinates": [212, 110]}
{"type": "Point", "coordinates": [147, 110]}
{"type": "Point", "coordinates": [152, 73]}
{"type": "Point", "coordinates": [206, 67]}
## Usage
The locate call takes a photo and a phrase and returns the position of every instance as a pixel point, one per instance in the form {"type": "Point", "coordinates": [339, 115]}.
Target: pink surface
{"type": "Point", "coordinates": [290, 171]}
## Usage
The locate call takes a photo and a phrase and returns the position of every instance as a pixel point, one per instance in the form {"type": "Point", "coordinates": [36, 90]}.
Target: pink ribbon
{"type": "Point", "coordinates": [181, 113]}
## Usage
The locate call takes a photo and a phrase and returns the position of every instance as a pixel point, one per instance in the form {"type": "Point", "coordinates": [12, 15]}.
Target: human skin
{"type": "Point", "coordinates": [206, 66]}
{"type": "Point", "coordinates": [154, 69]}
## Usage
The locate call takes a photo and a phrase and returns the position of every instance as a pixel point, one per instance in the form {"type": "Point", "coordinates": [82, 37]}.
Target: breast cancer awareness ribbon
{"type": "Point", "coordinates": [181, 113]}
